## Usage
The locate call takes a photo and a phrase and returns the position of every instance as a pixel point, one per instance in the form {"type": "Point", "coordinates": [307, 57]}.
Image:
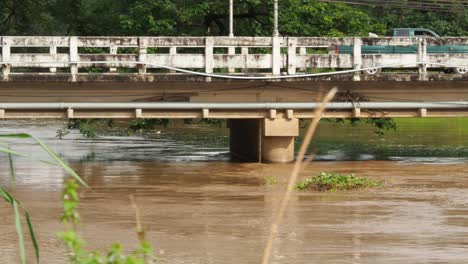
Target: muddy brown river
{"type": "Point", "coordinates": [199, 207]}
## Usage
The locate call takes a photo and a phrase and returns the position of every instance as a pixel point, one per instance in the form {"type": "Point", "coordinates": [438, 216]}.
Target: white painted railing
{"type": "Point", "coordinates": [241, 55]}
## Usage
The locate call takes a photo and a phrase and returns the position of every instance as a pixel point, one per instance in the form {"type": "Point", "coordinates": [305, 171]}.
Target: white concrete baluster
{"type": "Point", "coordinates": [173, 53]}
{"type": "Point", "coordinates": [231, 51]}
{"type": "Point", "coordinates": [422, 57]}
{"type": "Point", "coordinates": [142, 55]}
{"type": "Point", "coordinates": [357, 58]}
{"type": "Point", "coordinates": [209, 58]}
{"type": "Point", "coordinates": [74, 58]}
{"type": "Point", "coordinates": [245, 58]}
{"type": "Point", "coordinates": [6, 51]}
{"type": "Point", "coordinates": [292, 46]}
{"type": "Point", "coordinates": [113, 51]}
{"type": "Point", "coordinates": [302, 51]}
{"type": "Point", "coordinates": [276, 56]}
{"type": "Point", "coordinates": [53, 53]}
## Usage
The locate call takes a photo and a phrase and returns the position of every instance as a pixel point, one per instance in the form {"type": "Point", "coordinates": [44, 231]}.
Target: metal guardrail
{"type": "Point", "coordinates": [240, 110]}
{"type": "Point", "coordinates": [274, 55]}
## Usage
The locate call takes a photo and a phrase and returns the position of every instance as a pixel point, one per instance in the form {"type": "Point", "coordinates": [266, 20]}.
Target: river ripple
{"type": "Point", "coordinates": [198, 207]}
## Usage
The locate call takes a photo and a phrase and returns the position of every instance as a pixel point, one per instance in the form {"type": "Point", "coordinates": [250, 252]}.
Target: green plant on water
{"type": "Point", "coordinates": [143, 125]}
{"type": "Point", "coordinates": [87, 127]}
{"type": "Point", "coordinates": [75, 244]}
{"type": "Point", "coordinates": [270, 180]}
{"type": "Point", "coordinates": [334, 182]}
{"type": "Point", "coordinates": [61, 133]}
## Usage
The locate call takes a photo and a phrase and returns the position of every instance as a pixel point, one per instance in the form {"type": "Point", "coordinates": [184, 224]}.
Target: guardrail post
{"type": "Point", "coordinates": [209, 58]}
{"type": "Point", "coordinates": [292, 46]}
{"type": "Point", "coordinates": [276, 56]}
{"type": "Point", "coordinates": [6, 50]}
{"type": "Point", "coordinates": [113, 51]}
{"type": "Point", "coordinates": [74, 58]}
{"type": "Point", "coordinates": [53, 52]}
{"type": "Point", "coordinates": [422, 57]}
{"type": "Point", "coordinates": [142, 52]}
{"type": "Point", "coordinates": [357, 58]}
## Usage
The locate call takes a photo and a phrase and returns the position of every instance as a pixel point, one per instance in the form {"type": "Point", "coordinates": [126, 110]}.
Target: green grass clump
{"type": "Point", "coordinates": [333, 182]}
{"type": "Point", "coordinates": [270, 180]}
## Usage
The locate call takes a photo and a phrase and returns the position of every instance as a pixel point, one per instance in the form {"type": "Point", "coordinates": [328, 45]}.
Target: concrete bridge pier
{"type": "Point", "coordinates": [269, 140]}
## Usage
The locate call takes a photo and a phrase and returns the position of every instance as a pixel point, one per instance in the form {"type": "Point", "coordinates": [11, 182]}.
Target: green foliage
{"type": "Point", "coordinates": [12, 170]}
{"type": "Point", "coordinates": [61, 133]}
{"type": "Point", "coordinates": [333, 182]}
{"type": "Point", "coordinates": [75, 244]}
{"type": "Point", "coordinates": [270, 180]}
{"type": "Point", "coordinates": [214, 122]}
{"type": "Point", "coordinates": [87, 127]}
{"type": "Point", "coordinates": [142, 125]}
{"type": "Point", "coordinates": [210, 17]}
{"type": "Point", "coordinates": [381, 124]}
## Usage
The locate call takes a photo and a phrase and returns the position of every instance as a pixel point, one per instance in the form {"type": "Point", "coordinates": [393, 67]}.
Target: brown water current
{"type": "Point", "coordinates": [198, 207]}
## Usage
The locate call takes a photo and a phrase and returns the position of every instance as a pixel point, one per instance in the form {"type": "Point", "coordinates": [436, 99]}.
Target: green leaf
{"type": "Point", "coordinates": [19, 230]}
{"type": "Point", "coordinates": [14, 153]}
{"type": "Point", "coordinates": [5, 195]}
{"type": "Point", "coordinates": [65, 166]}
{"type": "Point", "coordinates": [12, 171]}
{"type": "Point", "coordinates": [33, 236]}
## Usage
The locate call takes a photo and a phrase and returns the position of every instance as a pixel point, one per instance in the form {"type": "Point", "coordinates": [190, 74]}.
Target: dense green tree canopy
{"type": "Point", "coordinates": [210, 17]}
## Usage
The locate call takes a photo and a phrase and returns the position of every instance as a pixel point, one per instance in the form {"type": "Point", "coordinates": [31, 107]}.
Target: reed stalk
{"type": "Point", "coordinates": [298, 165]}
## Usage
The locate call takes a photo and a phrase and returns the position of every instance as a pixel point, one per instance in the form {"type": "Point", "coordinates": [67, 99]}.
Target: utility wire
{"type": "Point", "coordinates": [435, 6]}
{"type": "Point", "coordinates": [237, 77]}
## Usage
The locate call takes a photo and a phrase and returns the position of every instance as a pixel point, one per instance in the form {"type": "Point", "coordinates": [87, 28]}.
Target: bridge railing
{"type": "Point", "coordinates": [230, 55]}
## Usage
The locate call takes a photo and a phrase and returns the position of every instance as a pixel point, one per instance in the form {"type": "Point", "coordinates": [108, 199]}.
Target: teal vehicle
{"type": "Point", "coordinates": [410, 33]}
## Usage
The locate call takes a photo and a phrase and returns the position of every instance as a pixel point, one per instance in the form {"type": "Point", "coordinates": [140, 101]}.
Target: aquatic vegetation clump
{"type": "Point", "coordinates": [270, 180]}
{"type": "Point", "coordinates": [333, 182]}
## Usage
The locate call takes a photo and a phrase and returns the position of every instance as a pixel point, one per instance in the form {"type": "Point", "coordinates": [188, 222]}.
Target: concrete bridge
{"type": "Point", "coordinates": [263, 85]}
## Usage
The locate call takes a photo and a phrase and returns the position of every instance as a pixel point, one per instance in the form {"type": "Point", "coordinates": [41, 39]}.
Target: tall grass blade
{"type": "Point", "coordinates": [60, 162]}
{"type": "Point", "coordinates": [9, 198]}
{"type": "Point", "coordinates": [19, 230]}
{"type": "Point", "coordinates": [298, 165]}
{"type": "Point", "coordinates": [51, 153]}
{"type": "Point", "coordinates": [12, 171]}
{"type": "Point", "coordinates": [33, 236]}
{"type": "Point", "coordinates": [17, 154]}
{"type": "Point", "coordinates": [5, 195]}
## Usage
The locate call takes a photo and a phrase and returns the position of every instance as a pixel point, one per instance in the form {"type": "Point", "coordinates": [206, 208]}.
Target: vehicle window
{"type": "Point", "coordinates": [401, 33]}
{"type": "Point", "coordinates": [419, 33]}
{"type": "Point", "coordinates": [423, 34]}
